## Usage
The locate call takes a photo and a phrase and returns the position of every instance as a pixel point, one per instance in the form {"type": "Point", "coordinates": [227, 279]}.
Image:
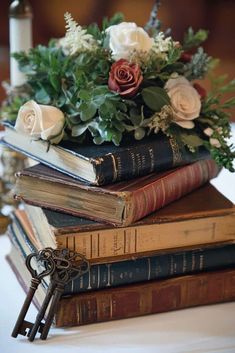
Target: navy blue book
{"type": "Point", "coordinates": [107, 163]}
{"type": "Point", "coordinates": [155, 267]}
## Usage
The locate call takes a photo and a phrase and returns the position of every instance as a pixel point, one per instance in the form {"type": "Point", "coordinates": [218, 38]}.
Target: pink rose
{"type": "Point", "coordinates": [185, 101]}
{"type": "Point", "coordinates": [125, 78]}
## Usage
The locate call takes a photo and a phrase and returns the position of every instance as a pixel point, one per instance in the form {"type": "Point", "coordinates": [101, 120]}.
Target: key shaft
{"type": "Point", "coordinates": [52, 310]}
{"type": "Point", "coordinates": [40, 316]}
{"type": "Point", "coordinates": [19, 329]}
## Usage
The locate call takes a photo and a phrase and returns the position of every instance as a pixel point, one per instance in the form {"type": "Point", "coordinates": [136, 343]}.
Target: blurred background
{"type": "Point", "coordinates": [218, 16]}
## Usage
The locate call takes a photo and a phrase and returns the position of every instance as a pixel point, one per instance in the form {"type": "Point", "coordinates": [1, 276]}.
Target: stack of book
{"type": "Point", "coordinates": [158, 236]}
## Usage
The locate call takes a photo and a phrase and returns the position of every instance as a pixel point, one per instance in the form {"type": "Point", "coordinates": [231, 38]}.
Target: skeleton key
{"type": "Point", "coordinates": [61, 264]}
{"type": "Point", "coordinates": [22, 325]}
{"type": "Point", "coordinates": [60, 278]}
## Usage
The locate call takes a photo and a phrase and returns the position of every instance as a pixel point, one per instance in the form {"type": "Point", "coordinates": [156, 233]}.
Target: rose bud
{"type": "Point", "coordinates": [186, 57]}
{"type": "Point", "coordinates": [125, 78]}
{"type": "Point", "coordinates": [200, 90]}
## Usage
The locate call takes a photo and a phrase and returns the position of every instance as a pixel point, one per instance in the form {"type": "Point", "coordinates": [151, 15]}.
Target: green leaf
{"type": "Point", "coordinates": [116, 19]}
{"type": "Point", "coordinates": [107, 109]}
{"type": "Point", "coordinates": [55, 81]}
{"type": "Point", "coordinates": [78, 130]}
{"type": "Point", "coordinates": [116, 138]}
{"type": "Point", "coordinates": [94, 30]}
{"type": "Point", "coordinates": [155, 98]}
{"type": "Point", "coordinates": [135, 117]}
{"type": "Point", "coordinates": [87, 111]}
{"type": "Point", "coordinates": [42, 96]}
{"type": "Point", "coordinates": [98, 140]}
{"type": "Point", "coordinates": [84, 94]}
{"type": "Point", "coordinates": [192, 40]}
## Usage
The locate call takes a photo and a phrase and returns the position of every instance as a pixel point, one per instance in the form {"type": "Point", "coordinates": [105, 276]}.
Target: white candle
{"type": "Point", "coordinates": [20, 37]}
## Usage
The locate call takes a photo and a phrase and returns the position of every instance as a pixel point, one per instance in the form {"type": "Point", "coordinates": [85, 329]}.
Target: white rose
{"type": "Point", "coordinates": [40, 122]}
{"type": "Point", "coordinates": [185, 101]}
{"type": "Point", "coordinates": [126, 37]}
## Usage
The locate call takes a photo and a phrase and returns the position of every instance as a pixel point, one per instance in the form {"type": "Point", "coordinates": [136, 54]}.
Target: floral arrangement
{"type": "Point", "coordinates": [123, 80]}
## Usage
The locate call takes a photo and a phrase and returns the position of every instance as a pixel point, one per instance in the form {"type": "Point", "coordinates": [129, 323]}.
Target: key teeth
{"type": "Point", "coordinates": [41, 327]}
{"type": "Point", "coordinates": [23, 329]}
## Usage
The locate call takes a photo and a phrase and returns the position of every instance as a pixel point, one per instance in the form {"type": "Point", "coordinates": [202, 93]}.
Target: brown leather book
{"type": "Point", "coordinates": [202, 217]}
{"type": "Point", "coordinates": [147, 298]}
{"type": "Point", "coordinates": [121, 203]}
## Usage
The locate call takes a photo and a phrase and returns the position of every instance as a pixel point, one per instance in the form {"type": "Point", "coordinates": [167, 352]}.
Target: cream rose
{"type": "Point", "coordinates": [185, 101]}
{"type": "Point", "coordinates": [41, 122]}
{"type": "Point", "coordinates": [126, 37]}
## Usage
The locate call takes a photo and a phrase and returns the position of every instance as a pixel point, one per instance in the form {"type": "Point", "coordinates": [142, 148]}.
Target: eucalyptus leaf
{"type": "Point", "coordinates": [139, 133]}
{"type": "Point", "coordinates": [155, 98]}
{"type": "Point", "coordinates": [136, 119]}
{"type": "Point", "coordinates": [84, 94]}
{"type": "Point", "coordinates": [42, 96]}
{"type": "Point", "coordinates": [87, 111]}
{"type": "Point", "coordinates": [116, 138]}
{"type": "Point", "coordinates": [98, 140]}
{"type": "Point", "coordinates": [78, 130]}
{"type": "Point", "coordinates": [191, 139]}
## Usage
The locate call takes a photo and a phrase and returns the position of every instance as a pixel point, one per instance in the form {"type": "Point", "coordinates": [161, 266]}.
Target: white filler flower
{"type": "Point", "coordinates": [76, 38]}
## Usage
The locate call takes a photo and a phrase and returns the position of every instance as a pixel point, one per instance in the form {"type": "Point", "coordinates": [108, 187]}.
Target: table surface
{"type": "Point", "coordinates": [208, 329]}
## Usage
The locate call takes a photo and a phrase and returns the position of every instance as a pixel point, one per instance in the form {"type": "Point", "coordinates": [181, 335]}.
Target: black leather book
{"type": "Point", "coordinates": [105, 164]}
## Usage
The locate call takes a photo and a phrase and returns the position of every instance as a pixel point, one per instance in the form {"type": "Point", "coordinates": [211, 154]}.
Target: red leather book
{"type": "Point", "coordinates": [121, 203]}
{"type": "Point", "coordinates": [147, 298]}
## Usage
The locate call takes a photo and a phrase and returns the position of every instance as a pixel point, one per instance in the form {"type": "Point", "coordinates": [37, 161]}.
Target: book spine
{"type": "Point", "coordinates": [147, 298]}
{"type": "Point", "coordinates": [137, 270]}
{"type": "Point", "coordinates": [170, 188]}
{"type": "Point", "coordinates": [101, 245]}
{"type": "Point", "coordinates": [152, 268]}
{"type": "Point", "coordinates": [156, 155]}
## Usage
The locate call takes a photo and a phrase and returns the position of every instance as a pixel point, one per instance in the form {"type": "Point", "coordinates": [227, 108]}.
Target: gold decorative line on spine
{"type": "Point", "coordinates": [74, 243]}
{"type": "Point", "coordinates": [111, 306]}
{"type": "Point", "coordinates": [115, 170]}
{"type": "Point", "coordinates": [98, 245]}
{"type": "Point", "coordinates": [124, 234]}
{"type": "Point", "coordinates": [135, 240]}
{"type": "Point", "coordinates": [177, 156]}
{"type": "Point", "coordinates": [91, 242]}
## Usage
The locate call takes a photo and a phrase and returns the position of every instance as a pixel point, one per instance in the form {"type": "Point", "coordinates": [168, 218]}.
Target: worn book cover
{"type": "Point", "coordinates": [160, 265]}
{"type": "Point", "coordinates": [107, 163]}
{"type": "Point", "coordinates": [202, 217]}
{"type": "Point", "coordinates": [135, 299]}
{"type": "Point", "coordinates": [121, 203]}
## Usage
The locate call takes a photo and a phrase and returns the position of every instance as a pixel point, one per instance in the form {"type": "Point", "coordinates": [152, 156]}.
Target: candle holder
{"type": "Point", "coordinates": [20, 9]}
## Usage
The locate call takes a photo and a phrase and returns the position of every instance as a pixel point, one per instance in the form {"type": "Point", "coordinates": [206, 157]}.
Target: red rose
{"type": "Point", "coordinates": [125, 78]}
{"type": "Point", "coordinates": [200, 90]}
